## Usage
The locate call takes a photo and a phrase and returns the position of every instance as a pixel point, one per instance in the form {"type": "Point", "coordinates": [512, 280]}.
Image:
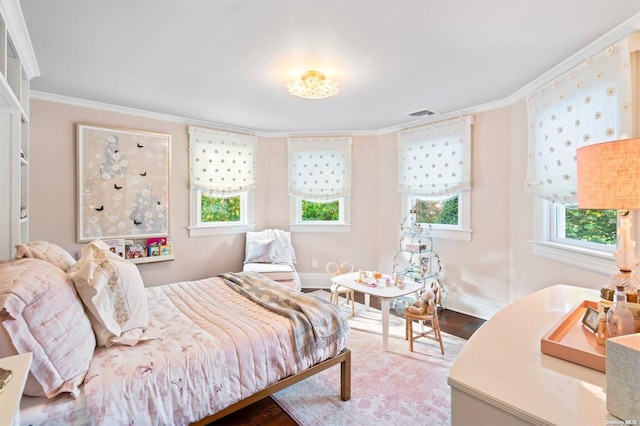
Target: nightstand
{"type": "Point", "coordinates": [11, 395]}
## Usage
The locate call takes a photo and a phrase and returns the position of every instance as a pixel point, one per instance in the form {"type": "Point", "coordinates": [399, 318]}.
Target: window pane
{"type": "Point", "coordinates": [437, 212]}
{"type": "Point", "coordinates": [594, 226]}
{"type": "Point", "coordinates": [213, 209]}
{"type": "Point", "coordinates": [317, 211]}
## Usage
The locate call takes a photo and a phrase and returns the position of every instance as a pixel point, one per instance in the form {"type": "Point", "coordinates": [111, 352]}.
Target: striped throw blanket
{"type": "Point", "coordinates": [316, 322]}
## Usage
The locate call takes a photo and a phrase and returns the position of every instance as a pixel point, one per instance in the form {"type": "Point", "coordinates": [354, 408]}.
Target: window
{"type": "Point", "coordinates": [439, 212]}
{"type": "Point", "coordinates": [589, 104]}
{"type": "Point", "coordinates": [316, 211]}
{"type": "Point", "coordinates": [217, 209]}
{"type": "Point", "coordinates": [552, 240]}
{"type": "Point", "coordinates": [320, 184]}
{"type": "Point", "coordinates": [584, 227]}
{"type": "Point", "coordinates": [448, 218]}
{"type": "Point", "coordinates": [318, 216]}
{"type": "Point", "coordinates": [434, 175]}
{"type": "Point", "coordinates": [222, 181]}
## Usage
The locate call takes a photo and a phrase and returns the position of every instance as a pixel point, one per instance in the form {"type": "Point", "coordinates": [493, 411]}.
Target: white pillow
{"type": "Point", "coordinates": [46, 251]}
{"type": "Point", "coordinates": [112, 290]}
{"type": "Point", "coordinates": [41, 313]}
{"type": "Point", "coordinates": [260, 251]}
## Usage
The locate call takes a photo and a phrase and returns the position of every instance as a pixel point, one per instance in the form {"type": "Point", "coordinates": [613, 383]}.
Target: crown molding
{"type": "Point", "coordinates": [623, 30]}
{"type": "Point", "coordinates": [85, 103]}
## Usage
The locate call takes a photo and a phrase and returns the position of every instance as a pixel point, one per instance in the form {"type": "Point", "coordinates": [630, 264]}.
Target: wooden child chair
{"type": "Point", "coordinates": [428, 316]}
{"type": "Point", "coordinates": [333, 269]}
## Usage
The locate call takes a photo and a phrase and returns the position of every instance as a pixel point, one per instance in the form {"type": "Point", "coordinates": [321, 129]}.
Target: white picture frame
{"type": "Point", "coordinates": [124, 181]}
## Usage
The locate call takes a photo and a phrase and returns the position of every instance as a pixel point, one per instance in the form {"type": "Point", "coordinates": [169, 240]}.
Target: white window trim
{"type": "Point", "coordinates": [246, 223]}
{"type": "Point", "coordinates": [461, 231]}
{"type": "Point", "coordinates": [543, 244]}
{"type": "Point", "coordinates": [337, 227]}
{"type": "Point", "coordinates": [557, 219]}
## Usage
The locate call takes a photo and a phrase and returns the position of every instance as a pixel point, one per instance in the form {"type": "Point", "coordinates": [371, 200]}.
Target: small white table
{"type": "Point", "coordinates": [384, 293]}
{"type": "Point", "coordinates": [11, 395]}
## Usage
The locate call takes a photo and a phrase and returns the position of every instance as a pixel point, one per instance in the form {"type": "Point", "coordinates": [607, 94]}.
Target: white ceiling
{"type": "Point", "coordinates": [227, 61]}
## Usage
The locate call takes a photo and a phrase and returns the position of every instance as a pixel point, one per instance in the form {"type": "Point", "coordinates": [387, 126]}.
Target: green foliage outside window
{"type": "Point", "coordinates": [213, 209]}
{"type": "Point", "coordinates": [594, 226]}
{"type": "Point", "coordinates": [316, 211]}
{"type": "Point", "coordinates": [437, 212]}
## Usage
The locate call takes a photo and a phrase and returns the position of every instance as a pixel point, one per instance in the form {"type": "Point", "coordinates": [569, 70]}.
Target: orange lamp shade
{"type": "Point", "coordinates": [609, 175]}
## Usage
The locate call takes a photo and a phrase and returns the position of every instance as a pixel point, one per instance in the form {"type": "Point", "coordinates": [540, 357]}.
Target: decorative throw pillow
{"type": "Point", "coordinates": [260, 251]}
{"type": "Point", "coordinates": [41, 313]}
{"type": "Point", "coordinates": [46, 251]}
{"type": "Point", "coordinates": [112, 290]}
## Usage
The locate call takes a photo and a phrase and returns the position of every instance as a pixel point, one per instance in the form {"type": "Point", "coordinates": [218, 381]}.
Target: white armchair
{"type": "Point", "coordinates": [271, 254]}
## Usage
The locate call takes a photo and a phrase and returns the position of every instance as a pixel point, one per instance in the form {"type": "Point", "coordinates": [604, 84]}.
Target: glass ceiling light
{"type": "Point", "coordinates": [313, 85]}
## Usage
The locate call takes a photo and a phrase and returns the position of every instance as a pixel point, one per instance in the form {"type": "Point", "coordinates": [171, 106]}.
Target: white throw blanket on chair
{"type": "Point", "coordinates": [270, 246]}
{"type": "Point", "coordinates": [270, 252]}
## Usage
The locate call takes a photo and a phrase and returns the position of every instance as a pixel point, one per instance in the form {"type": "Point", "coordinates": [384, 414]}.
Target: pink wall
{"type": "Point", "coordinates": [53, 197]}
{"type": "Point", "coordinates": [481, 266]}
{"type": "Point", "coordinates": [272, 209]}
{"type": "Point", "coordinates": [53, 191]}
{"type": "Point", "coordinates": [495, 267]}
{"type": "Point", "coordinates": [529, 272]}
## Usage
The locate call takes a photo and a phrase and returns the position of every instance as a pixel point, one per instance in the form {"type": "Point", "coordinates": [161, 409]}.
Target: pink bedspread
{"type": "Point", "coordinates": [214, 348]}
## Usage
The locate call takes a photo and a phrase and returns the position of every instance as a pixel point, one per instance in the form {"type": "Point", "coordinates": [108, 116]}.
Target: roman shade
{"type": "Point", "coordinates": [588, 104]}
{"type": "Point", "coordinates": [434, 161]}
{"type": "Point", "coordinates": [221, 164]}
{"type": "Point", "coordinates": [320, 168]}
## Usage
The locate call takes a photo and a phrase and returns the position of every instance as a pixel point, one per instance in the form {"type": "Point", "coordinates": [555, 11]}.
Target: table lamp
{"type": "Point", "coordinates": [609, 178]}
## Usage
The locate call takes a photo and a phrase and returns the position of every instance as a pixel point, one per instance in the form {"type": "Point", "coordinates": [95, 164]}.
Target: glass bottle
{"type": "Point", "coordinates": [619, 318]}
{"type": "Point", "coordinates": [601, 332]}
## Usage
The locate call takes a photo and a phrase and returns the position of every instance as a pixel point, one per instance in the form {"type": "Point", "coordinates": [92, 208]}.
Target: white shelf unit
{"type": "Point", "coordinates": [416, 259]}
{"type": "Point", "coordinates": [17, 67]}
{"type": "Point", "coordinates": [151, 259]}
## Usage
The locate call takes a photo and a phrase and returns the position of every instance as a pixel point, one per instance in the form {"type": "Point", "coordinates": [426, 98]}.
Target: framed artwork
{"type": "Point", "coordinates": [590, 319]}
{"type": "Point", "coordinates": [123, 183]}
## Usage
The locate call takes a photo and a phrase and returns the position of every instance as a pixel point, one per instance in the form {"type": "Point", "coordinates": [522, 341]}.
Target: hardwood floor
{"type": "Point", "coordinates": [267, 412]}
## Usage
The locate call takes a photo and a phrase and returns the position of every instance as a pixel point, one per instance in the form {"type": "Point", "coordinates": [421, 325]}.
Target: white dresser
{"type": "Point", "coordinates": [502, 378]}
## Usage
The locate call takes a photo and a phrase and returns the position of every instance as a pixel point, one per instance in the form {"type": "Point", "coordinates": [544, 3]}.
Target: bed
{"type": "Point", "coordinates": [208, 348]}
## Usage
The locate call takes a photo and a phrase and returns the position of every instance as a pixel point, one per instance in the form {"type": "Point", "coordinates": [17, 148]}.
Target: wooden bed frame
{"type": "Point", "coordinates": [343, 358]}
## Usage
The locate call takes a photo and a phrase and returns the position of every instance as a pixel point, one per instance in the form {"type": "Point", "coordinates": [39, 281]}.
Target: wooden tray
{"type": "Point", "coordinates": [572, 341]}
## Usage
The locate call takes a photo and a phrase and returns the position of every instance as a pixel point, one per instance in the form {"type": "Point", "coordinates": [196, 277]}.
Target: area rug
{"type": "Point", "coordinates": [397, 387]}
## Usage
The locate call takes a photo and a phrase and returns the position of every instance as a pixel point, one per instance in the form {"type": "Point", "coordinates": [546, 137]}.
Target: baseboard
{"type": "Point", "coordinates": [459, 302]}
{"type": "Point", "coordinates": [471, 305]}
{"type": "Point", "coordinates": [314, 280]}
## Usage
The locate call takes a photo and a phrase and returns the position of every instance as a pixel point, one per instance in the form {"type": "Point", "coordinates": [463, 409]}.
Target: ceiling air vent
{"type": "Point", "coordinates": [421, 113]}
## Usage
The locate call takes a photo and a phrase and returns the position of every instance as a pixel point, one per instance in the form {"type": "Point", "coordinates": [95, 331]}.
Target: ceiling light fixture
{"type": "Point", "coordinates": [313, 85]}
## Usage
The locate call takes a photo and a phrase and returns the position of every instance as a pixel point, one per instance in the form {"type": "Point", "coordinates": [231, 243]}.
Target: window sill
{"type": "Point", "coordinates": [203, 231]}
{"type": "Point", "coordinates": [321, 228]}
{"type": "Point", "coordinates": [451, 234]}
{"type": "Point", "coordinates": [590, 260]}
